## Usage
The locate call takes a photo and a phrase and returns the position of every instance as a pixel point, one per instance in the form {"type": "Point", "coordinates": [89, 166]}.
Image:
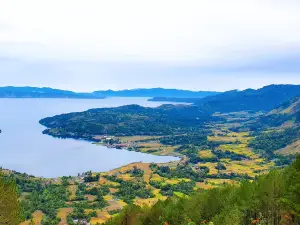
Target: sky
{"type": "Point", "coordinates": [188, 44]}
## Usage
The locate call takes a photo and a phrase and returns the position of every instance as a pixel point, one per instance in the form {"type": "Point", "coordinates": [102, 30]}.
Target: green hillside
{"type": "Point", "coordinates": [273, 198]}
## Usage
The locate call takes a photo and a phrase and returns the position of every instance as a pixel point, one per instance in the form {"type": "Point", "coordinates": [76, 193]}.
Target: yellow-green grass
{"type": "Point", "coordinates": [104, 181]}
{"type": "Point", "coordinates": [102, 217]}
{"type": "Point", "coordinates": [158, 195]}
{"type": "Point", "coordinates": [242, 137]}
{"type": "Point", "coordinates": [145, 202]}
{"type": "Point", "coordinates": [239, 149]}
{"type": "Point", "coordinates": [249, 167]}
{"type": "Point", "coordinates": [159, 149]}
{"type": "Point", "coordinates": [291, 149]}
{"type": "Point", "coordinates": [213, 183]}
{"type": "Point", "coordinates": [72, 189]}
{"type": "Point", "coordinates": [90, 197]}
{"type": "Point", "coordinates": [220, 181]}
{"type": "Point", "coordinates": [62, 214]}
{"type": "Point", "coordinates": [203, 185]}
{"type": "Point", "coordinates": [150, 145]}
{"type": "Point", "coordinates": [136, 138]}
{"type": "Point", "coordinates": [175, 181]}
{"type": "Point", "coordinates": [123, 171]}
{"type": "Point", "coordinates": [211, 166]}
{"type": "Point", "coordinates": [121, 203]}
{"type": "Point", "coordinates": [222, 139]}
{"type": "Point", "coordinates": [37, 217]}
{"type": "Point", "coordinates": [206, 154]}
{"type": "Point", "coordinates": [156, 177]}
{"type": "Point", "coordinates": [180, 194]}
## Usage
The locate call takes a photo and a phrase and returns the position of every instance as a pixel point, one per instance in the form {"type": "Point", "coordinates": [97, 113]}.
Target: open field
{"type": "Point", "coordinates": [136, 138]}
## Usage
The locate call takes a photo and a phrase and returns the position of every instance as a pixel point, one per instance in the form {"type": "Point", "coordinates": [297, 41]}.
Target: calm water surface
{"type": "Point", "coordinates": [24, 148]}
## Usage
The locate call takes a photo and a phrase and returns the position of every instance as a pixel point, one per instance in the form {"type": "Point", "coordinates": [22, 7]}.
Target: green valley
{"type": "Point", "coordinates": [232, 168]}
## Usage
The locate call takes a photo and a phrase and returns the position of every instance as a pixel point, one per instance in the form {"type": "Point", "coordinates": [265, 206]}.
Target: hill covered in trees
{"type": "Point", "coordinates": [127, 121]}
{"type": "Point", "coordinates": [169, 119]}
{"type": "Point", "coordinates": [263, 99]}
{"type": "Point", "coordinates": [273, 198]}
{"type": "Point", "coordinates": [278, 129]}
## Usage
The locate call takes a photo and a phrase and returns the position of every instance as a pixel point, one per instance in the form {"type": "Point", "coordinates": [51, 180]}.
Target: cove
{"type": "Point", "coordinates": [25, 149]}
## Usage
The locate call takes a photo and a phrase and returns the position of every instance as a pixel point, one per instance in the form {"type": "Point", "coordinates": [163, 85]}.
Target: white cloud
{"type": "Point", "coordinates": [165, 31]}
{"type": "Point", "coordinates": [90, 76]}
{"type": "Point", "coordinates": [192, 44]}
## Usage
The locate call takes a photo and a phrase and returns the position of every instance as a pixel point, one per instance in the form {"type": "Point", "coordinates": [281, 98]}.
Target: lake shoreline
{"type": "Point", "coordinates": [23, 146]}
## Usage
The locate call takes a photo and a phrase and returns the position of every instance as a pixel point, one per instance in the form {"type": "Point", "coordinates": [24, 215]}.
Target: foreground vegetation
{"type": "Point", "coordinates": [273, 198]}
{"type": "Point", "coordinates": [9, 205]}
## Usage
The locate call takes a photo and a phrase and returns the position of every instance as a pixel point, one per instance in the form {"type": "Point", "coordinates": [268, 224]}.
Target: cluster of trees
{"type": "Point", "coordinates": [78, 214]}
{"type": "Point", "coordinates": [198, 139]}
{"type": "Point", "coordinates": [136, 172]}
{"type": "Point", "coordinates": [127, 121]}
{"type": "Point", "coordinates": [129, 190]}
{"type": "Point", "coordinates": [273, 198]}
{"type": "Point", "coordinates": [197, 174]}
{"type": "Point", "coordinates": [48, 199]}
{"type": "Point", "coordinates": [99, 192]}
{"type": "Point", "coordinates": [181, 171]}
{"type": "Point", "coordinates": [102, 190]}
{"type": "Point", "coordinates": [192, 152]}
{"type": "Point", "coordinates": [229, 155]}
{"type": "Point", "coordinates": [90, 178]}
{"type": "Point", "coordinates": [41, 196]}
{"type": "Point", "coordinates": [168, 189]}
{"type": "Point", "coordinates": [25, 182]}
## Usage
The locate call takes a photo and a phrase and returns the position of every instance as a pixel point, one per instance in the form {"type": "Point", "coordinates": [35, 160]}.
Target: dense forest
{"type": "Point", "coordinates": [127, 121]}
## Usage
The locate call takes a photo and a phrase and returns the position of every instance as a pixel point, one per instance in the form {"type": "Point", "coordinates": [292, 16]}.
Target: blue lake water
{"type": "Point", "coordinates": [24, 148]}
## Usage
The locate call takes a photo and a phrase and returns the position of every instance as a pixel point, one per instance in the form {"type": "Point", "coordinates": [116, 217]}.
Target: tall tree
{"type": "Point", "coordinates": [9, 204]}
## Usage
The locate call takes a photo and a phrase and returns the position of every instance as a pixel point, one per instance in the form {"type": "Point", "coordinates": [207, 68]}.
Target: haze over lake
{"type": "Point", "coordinates": [24, 148]}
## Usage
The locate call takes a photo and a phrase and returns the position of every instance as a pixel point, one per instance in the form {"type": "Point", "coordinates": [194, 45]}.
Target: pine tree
{"type": "Point", "coordinates": [9, 204]}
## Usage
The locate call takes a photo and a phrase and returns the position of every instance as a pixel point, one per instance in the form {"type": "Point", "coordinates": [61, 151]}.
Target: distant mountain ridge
{"type": "Point", "coordinates": [157, 92]}
{"type": "Point", "coordinates": [263, 99]}
{"type": "Point", "coordinates": [45, 92]}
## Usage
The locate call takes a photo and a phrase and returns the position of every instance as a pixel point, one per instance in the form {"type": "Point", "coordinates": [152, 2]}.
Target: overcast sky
{"type": "Point", "coordinates": [189, 44]}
